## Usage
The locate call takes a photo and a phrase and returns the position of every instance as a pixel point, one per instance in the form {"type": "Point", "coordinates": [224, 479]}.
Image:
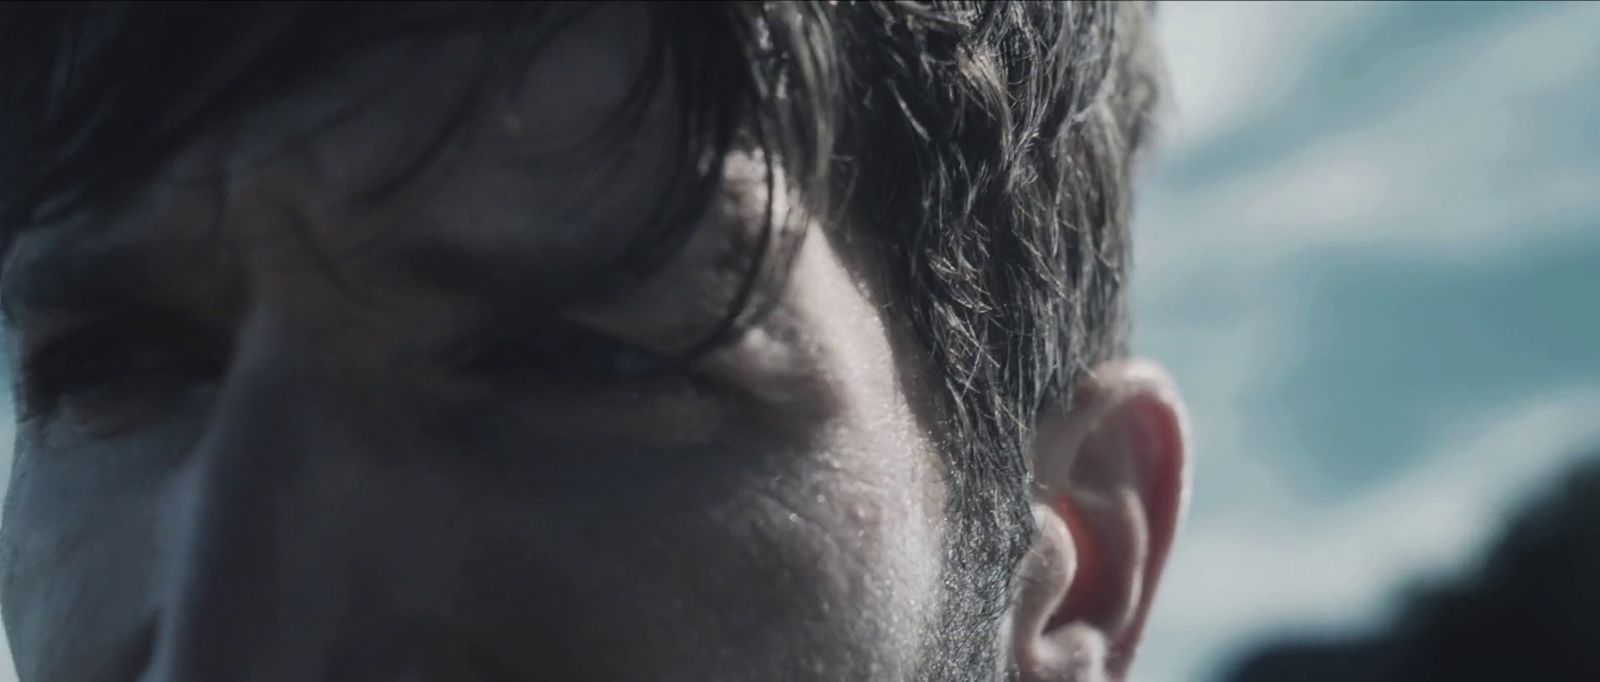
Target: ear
{"type": "Point", "coordinates": [1111, 480]}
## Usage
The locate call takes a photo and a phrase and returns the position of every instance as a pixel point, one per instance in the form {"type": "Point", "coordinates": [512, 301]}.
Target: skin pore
{"type": "Point", "coordinates": [275, 426]}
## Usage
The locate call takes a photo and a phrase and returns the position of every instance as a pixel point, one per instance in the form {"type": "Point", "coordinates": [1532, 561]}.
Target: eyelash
{"type": "Point", "coordinates": [114, 355]}
{"type": "Point", "coordinates": [567, 354]}
{"type": "Point", "coordinates": [137, 362]}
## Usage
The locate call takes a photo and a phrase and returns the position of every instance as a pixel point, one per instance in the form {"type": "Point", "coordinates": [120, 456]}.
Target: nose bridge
{"type": "Point", "coordinates": [253, 590]}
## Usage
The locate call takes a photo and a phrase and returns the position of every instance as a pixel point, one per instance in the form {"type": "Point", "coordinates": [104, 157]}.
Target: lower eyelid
{"type": "Point", "coordinates": [110, 411]}
{"type": "Point", "coordinates": [55, 374]}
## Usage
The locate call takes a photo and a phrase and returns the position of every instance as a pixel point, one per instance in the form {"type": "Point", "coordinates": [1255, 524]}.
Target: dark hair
{"type": "Point", "coordinates": [980, 150]}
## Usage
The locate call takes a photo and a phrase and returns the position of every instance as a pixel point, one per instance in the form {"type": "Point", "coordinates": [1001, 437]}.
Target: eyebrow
{"type": "Point", "coordinates": [441, 264]}
{"type": "Point", "coordinates": [67, 273]}
{"type": "Point", "coordinates": [72, 271]}
{"type": "Point", "coordinates": [74, 279]}
{"type": "Point", "coordinates": [440, 261]}
{"type": "Point", "coordinates": [65, 277]}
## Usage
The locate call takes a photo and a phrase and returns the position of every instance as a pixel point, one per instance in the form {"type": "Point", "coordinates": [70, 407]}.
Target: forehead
{"type": "Point", "coordinates": [430, 132]}
{"type": "Point", "coordinates": [541, 188]}
{"type": "Point", "coordinates": [419, 142]}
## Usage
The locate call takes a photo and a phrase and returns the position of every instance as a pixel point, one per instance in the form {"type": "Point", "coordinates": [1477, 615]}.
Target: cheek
{"type": "Point", "coordinates": [858, 530]}
{"type": "Point", "coordinates": [884, 495]}
{"type": "Point", "coordinates": [560, 550]}
{"type": "Point", "coordinates": [762, 560]}
{"type": "Point", "coordinates": [79, 556]}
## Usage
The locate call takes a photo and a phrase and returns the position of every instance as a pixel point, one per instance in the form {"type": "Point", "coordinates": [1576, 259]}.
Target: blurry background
{"type": "Point", "coordinates": [1370, 252]}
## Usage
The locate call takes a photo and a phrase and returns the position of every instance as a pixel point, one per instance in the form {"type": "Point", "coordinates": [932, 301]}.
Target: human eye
{"type": "Point", "coordinates": [565, 355]}
{"type": "Point", "coordinates": [113, 376]}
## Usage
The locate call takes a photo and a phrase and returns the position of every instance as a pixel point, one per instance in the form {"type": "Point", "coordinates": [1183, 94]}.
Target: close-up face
{"type": "Point", "coordinates": [269, 432]}
{"type": "Point", "coordinates": [361, 383]}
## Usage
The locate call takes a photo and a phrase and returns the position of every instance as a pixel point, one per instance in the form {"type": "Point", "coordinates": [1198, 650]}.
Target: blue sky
{"type": "Point", "coordinates": [1366, 251]}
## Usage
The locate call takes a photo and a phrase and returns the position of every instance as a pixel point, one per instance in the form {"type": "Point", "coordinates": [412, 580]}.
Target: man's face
{"type": "Point", "coordinates": [271, 432]}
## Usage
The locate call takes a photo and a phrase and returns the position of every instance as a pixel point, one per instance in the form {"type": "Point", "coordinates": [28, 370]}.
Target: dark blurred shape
{"type": "Point", "coordinates": [1318, 660]}
{"type": "Point", "coordinates": [1531, 613]}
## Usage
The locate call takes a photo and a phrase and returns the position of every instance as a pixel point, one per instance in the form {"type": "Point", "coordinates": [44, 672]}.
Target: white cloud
{"type": "Point", "coordinates": [1462, 154]}
{"type": "Point", "coordinates": [1225, 58]}
{"type": "Point", "coordinates": [1467, 157]}
{"type": "Point", "coordinates": [1300, 564]}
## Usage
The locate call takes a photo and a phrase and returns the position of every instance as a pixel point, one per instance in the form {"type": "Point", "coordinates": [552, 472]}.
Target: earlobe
{"type": "Point", "coordinates": [1110, 480]}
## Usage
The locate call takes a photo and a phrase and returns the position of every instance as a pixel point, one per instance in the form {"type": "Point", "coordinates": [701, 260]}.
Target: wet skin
{"type": "Point", "coordinates": [271, 433]}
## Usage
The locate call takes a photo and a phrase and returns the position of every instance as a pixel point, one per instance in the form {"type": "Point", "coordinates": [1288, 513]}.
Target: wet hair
{"type": "Point", "coordinates": [981, 152]}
